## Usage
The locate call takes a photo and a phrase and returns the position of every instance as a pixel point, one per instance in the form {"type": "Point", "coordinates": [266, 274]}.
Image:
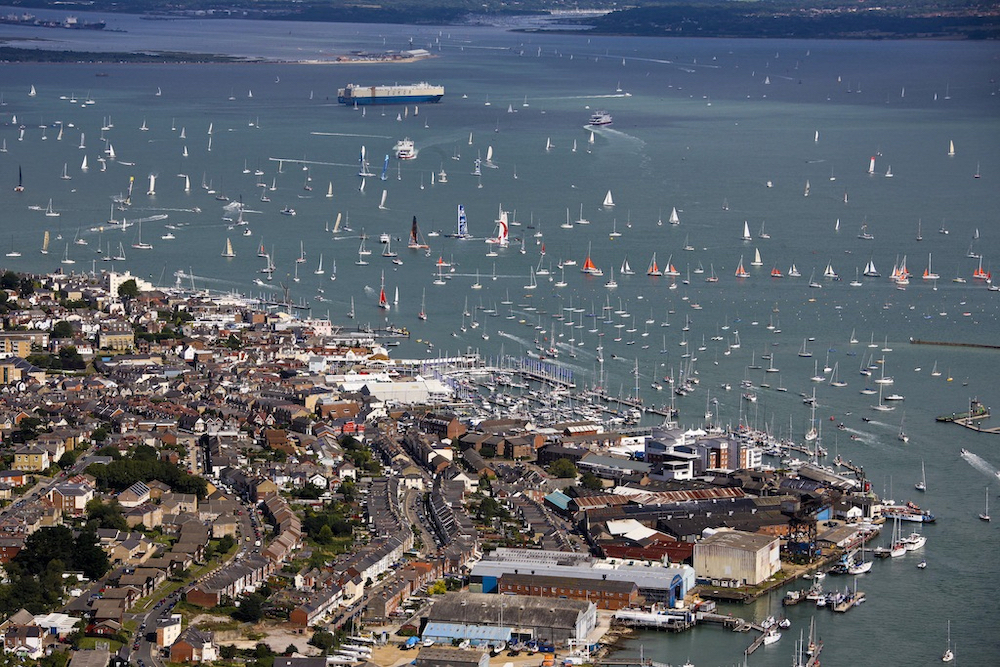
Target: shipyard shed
{"type": "Point", "coordinates": [548, 619]}
{"type": "Point", "coordinates": [735, 558]}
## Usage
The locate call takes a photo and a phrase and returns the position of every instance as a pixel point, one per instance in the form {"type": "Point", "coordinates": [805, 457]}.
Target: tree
{"type": "Point", "coordinates": [9, 280]}
{"type": "Point", "coordinates": [128, 289]}
{"type": "Point", "coordinates": [62, 329]}
{"type": "Point", "coordinates": [591, 481]}
{"type": "Point", "coordinates": [563, 468]}
{"type": "Point", "coordinates": [325, 535]}
{"type": "Point", "coordinates": [438, 588]}
{"type": "Point", "coordinates": [323, 640]}
{"type": "Point", "coordinates": [251, 608]}
{"type": "Point", "coordinates": [68, 459]}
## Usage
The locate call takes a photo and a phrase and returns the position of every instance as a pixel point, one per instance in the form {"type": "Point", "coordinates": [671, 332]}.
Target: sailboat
{"type": "Point", "coordinates": [756, 258]}
{"type": "Point", "coordinates": [589, 267]}
{"type": "Point", "coordinates": [350, 313]}
{"type": "Point", "coordinates": [66, 259]}
{"type": "Point", "coordinates": [626, 270]}
{"type": "Point", "coordinates": [49, 212]}
{"type": "Point", "coordinates": [922, 484]}
{"type": "Point", "coordinates": [382, 301]}
{"type": "Point", "coordinates": [951, 149]}
{"type": "Point", "coordinates": [985, 516]}
{"type": "Point", "coordinates": [740, 271]}
{"type": "Point", "coordinates": [423, 301]}
{"type": "Point", "coordinates": [860, 566]}
{"type": "Point", "coordinates": [45, 243]}
{"type": "Point", "coordinates": [928, 273]}
{"type": "Point", "coordinates": [608, 201]}
{"type": "Point", "coordinates": [653, 269]}
{"type": "Point", "coordinates": [746, 231]}
{"type": "Point", "coordinates": [228, 252]}
{"type": "Point", "coordinates": [902, 434]}
{"type": "Point", "coordinates": [948, 654]}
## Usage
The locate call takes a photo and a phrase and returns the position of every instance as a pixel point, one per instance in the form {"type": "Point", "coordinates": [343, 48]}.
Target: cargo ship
{"type": "Point", "coordinates": [396, 94]}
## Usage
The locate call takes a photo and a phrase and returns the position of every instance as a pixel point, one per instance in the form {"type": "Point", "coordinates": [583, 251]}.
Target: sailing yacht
{"type": "Point", "coordinates": [922, 484]}
{"type": "Point", "coordinates": [653, 269]}
{"type": "Point", "coordinates": [985, 516]}
{"type": "Point", "coordinates": [746, 231]}
{"type": "Point", "coordinates": [740, 271]}
{"type": "Point", "coordinates": [608, 201]}
{"type": "Point", "coordinates": [228, 252]}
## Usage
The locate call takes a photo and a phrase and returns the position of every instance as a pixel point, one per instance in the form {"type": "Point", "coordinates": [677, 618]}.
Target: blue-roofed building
{"type": "Point", "coordinates": [443, 632]}
{"type": "Point", "coordinates": [559, 500]}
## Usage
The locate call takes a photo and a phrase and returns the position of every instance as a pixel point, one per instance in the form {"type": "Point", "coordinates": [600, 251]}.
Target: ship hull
{"type": "Point", "coordinates": [402, 94]}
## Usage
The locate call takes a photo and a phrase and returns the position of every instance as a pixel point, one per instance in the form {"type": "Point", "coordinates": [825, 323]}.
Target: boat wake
{"type": "Point", "coordinates": [346, 134]}
{"type": "Point", "coordinates": [980, 464]}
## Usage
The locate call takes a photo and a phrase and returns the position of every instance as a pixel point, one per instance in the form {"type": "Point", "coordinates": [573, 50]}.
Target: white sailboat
{"type": "Point", "coordinates": [49, 212]}
{"type": "Point", "coordinates": [985, 516]}
{"type": "Point", "coordinates": [922, 484]}
{"type": "Point", "coordinates": [608, 200]}
{"type": "Point", "coordinates": [756, 258]}
{"type": "Point", "coordinates": [674, 218]}
{"type": "Point", "coordinates": [746, 231]}
{"type": "Point", "coordinates": [948, 654]}
{"type": "Point", "coordinates": [228, 252]}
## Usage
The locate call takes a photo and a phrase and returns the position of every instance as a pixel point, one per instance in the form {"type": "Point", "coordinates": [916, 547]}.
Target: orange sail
{"type": "Point", "coordinates": [740, 271]}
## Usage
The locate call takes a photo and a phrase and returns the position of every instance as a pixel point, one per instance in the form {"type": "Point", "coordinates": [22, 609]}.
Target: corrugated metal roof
{"type": "Point", "coordinates": [441, 630]}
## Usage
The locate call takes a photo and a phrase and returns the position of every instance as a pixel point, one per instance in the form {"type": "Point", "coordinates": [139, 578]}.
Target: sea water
{"type": "Point", "coordinates": [726, 131]}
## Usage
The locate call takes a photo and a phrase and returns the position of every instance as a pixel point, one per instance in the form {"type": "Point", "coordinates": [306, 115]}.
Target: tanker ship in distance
{"type": "Point", "coordinates": [354, 94]}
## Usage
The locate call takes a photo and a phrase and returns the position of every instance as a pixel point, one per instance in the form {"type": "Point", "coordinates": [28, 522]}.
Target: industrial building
{"type": "Point", "coordinates": [657, 581]}
{"type": "Point", "coordinates": [485, 618]}
{"type": "Point", "coordinates": [735, 558]}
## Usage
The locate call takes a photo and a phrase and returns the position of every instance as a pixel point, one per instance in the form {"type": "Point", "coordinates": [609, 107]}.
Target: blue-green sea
{"type": "Point", "coordinates": [727, 132]}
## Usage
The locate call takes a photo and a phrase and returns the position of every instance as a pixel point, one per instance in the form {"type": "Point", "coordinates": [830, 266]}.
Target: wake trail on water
{"type": "Point", "coordinates": [981, 464]}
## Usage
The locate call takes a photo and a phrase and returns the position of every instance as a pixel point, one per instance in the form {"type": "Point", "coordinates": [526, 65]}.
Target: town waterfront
{"type": "Point", "coordinates": [725, 132]}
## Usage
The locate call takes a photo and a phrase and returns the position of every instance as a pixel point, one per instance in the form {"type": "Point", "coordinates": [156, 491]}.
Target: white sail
{"type": "Point", "coordinates": [951, 149]}
{"type": "Point", "coordinates": [187, 184]}
{"type": "Point", "coordinates": [329, 191]}
{"type": "Point", "coordinates": [608, 200]}
{"type": "Point", "coordinates": [83, 165]}
{"type": "Point", "coordinates": [674, 218]}
{"type": "Point", "coordinates": [746, 231]}
{"type": "Point", "coordinates": [152, 185]}
{"type": "Point", "coordinates": [381, 205]}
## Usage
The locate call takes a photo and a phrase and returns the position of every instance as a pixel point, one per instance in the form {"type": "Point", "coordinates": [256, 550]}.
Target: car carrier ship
{"type": "Point", "coordinates": [354, 94]}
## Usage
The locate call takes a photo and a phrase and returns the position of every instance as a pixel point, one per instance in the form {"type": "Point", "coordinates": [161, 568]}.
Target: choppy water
{"type": "Point", "coordinates": [704, 123]}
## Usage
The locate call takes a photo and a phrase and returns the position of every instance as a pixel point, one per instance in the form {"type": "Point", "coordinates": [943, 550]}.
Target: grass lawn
{"type": "Point", "coordinates": [91, 643]}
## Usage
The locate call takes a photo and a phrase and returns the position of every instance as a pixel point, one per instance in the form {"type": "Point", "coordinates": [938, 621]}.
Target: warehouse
{"type": "Point", "coordinates": [482, 617]}
{"type": "Point", "coordinates": [736, 558]}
